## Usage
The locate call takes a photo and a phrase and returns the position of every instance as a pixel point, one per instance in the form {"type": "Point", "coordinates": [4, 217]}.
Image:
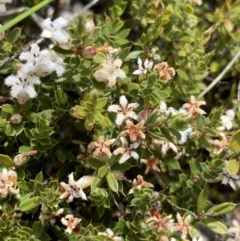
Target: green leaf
{"type": "Point", "coordinates": [172, 163]}
{"type": "Point", "coordinates": [221, 208]}
{"type": "Point", "coordinates": [9, 130]}
{"type": "Point", "coordinates": [14, 35]}
{"type": "Point", "coordinates": [182, 74]}
{"type": "Point", "coordinates": [233, 166]}
{"type": "Point", "coordinates": [3, 122]}
{"type": "Point", "coordinates": [112, 182]}
{"type": "Point", "coordinates": [101, 102]}
{"type": "Point", "coordinates": [202, 200]}
{"type": "Point", "coordinates": [134, 54]}
{"type": "Point", "coordinates": [7, 47]}
{"type": "Point", "coordinates": [6, 161]}
{"type": "Point", "coordinates": [188, 9]}
{"type": "Point", "coordinates": [96, 182]}
{"type": "Point", "coordinates": [102, 171]}
{"type": "Point", "coordinates": [215, 225]}
{"type": "Point", "coordinates": [95, 163]}
{"type": "Point", "coordinates": [11, 109]}
{"type": "Point", "coordinates": [29, 204]}
{"type": "Point", "coordinates": [39, 177]}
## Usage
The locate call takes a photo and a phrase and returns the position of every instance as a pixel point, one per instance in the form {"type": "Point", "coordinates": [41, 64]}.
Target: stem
{"type": "Point", "coordinates": [220, 76]}
{"type": "Point", "coordinates": [24, 15]}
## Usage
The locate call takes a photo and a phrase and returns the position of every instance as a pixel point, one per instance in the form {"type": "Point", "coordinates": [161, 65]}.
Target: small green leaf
{"type": "Point", "coordinates": [188, 9]}
{"type": "Point", "coordinates": [6, 161]}
{"type": "Point", "coordinates": [39, 177]}
{"type": "Point", "coordinates": [172, 163]}
{"type": "Point", "coordinates": [29, 204]}
{"type": "Point", "coordinates": [95, 163]}
{"type": "Point", "coordinates": [233, 166]}
{"type": "Point", "coordinates": [102, 171]}
{"type": "Point", "coordinates": [216, 226]}
{"type": "Point", "coordinates": [11, 109]}
{"type": "Point", "coordinates": [202, 200]}
{"type": "Point", "coordinates": [182, 74]}
{"type": "Point", "coordinates": [3, 122]}
{"type": "Point", "coordinates": [112, 182]}
{"type": "Point", "coordinates": [14, 35]}
{"type": "Point", "coordinates": [96, 182]}
{"type": "Point", "coordinates": [221, 208]}
{"type": "Point", "coordinates": [101, 102]}
{"type": "Point", "coordinates": [7, 47]}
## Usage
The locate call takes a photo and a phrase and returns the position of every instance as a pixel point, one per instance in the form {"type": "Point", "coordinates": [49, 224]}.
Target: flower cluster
{"type": "Point", "coordinates": [37, 64]}
{"type": "Point", "coordinates": [8, 182]}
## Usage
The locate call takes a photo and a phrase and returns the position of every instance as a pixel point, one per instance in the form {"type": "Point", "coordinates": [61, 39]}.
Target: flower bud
{"type": "Point", "coordinates": [89, 52]}
{"type": "Point", "coordinates": [20, 159]}
{"type": "Point", "coordinates": [90, 25]}
{"type": "Point", "coordinates": [16, 119]}
{"type": "Point", "coordinates": [193, 136]}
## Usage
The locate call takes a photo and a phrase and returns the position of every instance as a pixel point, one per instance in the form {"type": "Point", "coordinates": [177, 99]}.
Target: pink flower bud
{"type": "Point", "coordinates": [16, 119]}
{"type": "Point", "coordinates": [89, 52]}
{"type": "Point", "coordinates": [20, 159]}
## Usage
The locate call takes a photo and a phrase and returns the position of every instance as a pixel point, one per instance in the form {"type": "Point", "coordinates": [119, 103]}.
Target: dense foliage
{"type": "Point", "coordinates": [103, 136]}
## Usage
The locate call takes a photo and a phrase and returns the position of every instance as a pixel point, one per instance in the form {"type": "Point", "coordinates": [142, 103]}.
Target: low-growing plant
{"type": "Point", "coordinates": [103, 134]}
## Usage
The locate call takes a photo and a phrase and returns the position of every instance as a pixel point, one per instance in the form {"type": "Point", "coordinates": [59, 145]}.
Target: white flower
{"type": "Point", "coordinates": [126, 150]}
{"type": "Point", "coordinates": [124, 110]}
{"type": "Point", "coordinates": [8, 181]}
{"type": "Point", "coordinates": [166, 145]}
{"type": "Point", "coordinates": [2, 5]}
{"type": "Point", "coordinates": [228, 178]}
{"type": "Point", "coordinates": [184, 135]}
{"type": "Point", "coordinates": [55, 31]}
{"type": "Point", "coordinates": [109, 233]}
{"type": "Point", "coordinates": [227, 120]}
{"type": "Point", "coordinates": [22, 86]}
{"type": "Point", "coordinates": [143, 70]}
{"type": "Point", "coordinates": [166, 111]}
{"type": "Point", "coordinates": [74, 189]}
{"type": "Point", "coordinates": [70, 222]}
{"type": "Point", "coordinates": [41, 63]}
{"type": "Point", "coordinates": [109, 72]}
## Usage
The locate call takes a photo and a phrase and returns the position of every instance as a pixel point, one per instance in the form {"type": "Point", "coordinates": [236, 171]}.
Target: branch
{"type": "Point", "coordinates": [220, 76]}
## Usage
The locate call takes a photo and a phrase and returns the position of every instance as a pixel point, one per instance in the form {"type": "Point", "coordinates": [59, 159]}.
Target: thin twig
{"type": "Point", "coordinates": [183, 209]}
{"type": "Point", "coordinates": [220, 76]}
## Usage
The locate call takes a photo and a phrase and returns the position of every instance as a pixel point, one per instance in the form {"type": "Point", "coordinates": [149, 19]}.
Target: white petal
{"type": "Point", "coordinates": [46, 33]}
{"type": "Point", "coordinates": [124, 158]}
{"type": "Point", "coordinates": [134, 155]}
{"type": "Point", "coordinates": [85, 181]}
{"type": "Point", "coordinates": [113, 108]}
{"type": "Point", "coordinates": [120, 118]}
{"type": "Point", "coordinates": [123, 100]}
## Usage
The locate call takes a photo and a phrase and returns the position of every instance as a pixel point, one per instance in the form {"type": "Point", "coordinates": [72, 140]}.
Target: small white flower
{"type": "Point", "coordinates": [143, 70]}
{"type": "Point", "coordinates": [41, 63]}
{"type": "Point", "coordinates": [109, 72]}
{"type": "Point", "coordinates": [55, 31]}
{"type": "Point", "coordinates": [184, 135]}
{"type": "Point", "coordinates": [70, 222]}
{"type": "Point", "coordinates": [74, 189]}
{"type": "Point", "coordinates": [166, 145]}
{"type": "Point", "coordinates": [2, 34]}
{"type": "Point", "coordinates": [109, 233]}
{"type": "Point", "coordinates": [124, 110]}
{"type": "Point", "coordinates": [227, 120]}
{"type": "Point", "coordinates": [22, 86]}
{"type": "Point", "coordinates": [166, 111]}
{"type": "Point", "coordinates": [2, 5]}
{"type": "Point", "coordinates": [126, 150]}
